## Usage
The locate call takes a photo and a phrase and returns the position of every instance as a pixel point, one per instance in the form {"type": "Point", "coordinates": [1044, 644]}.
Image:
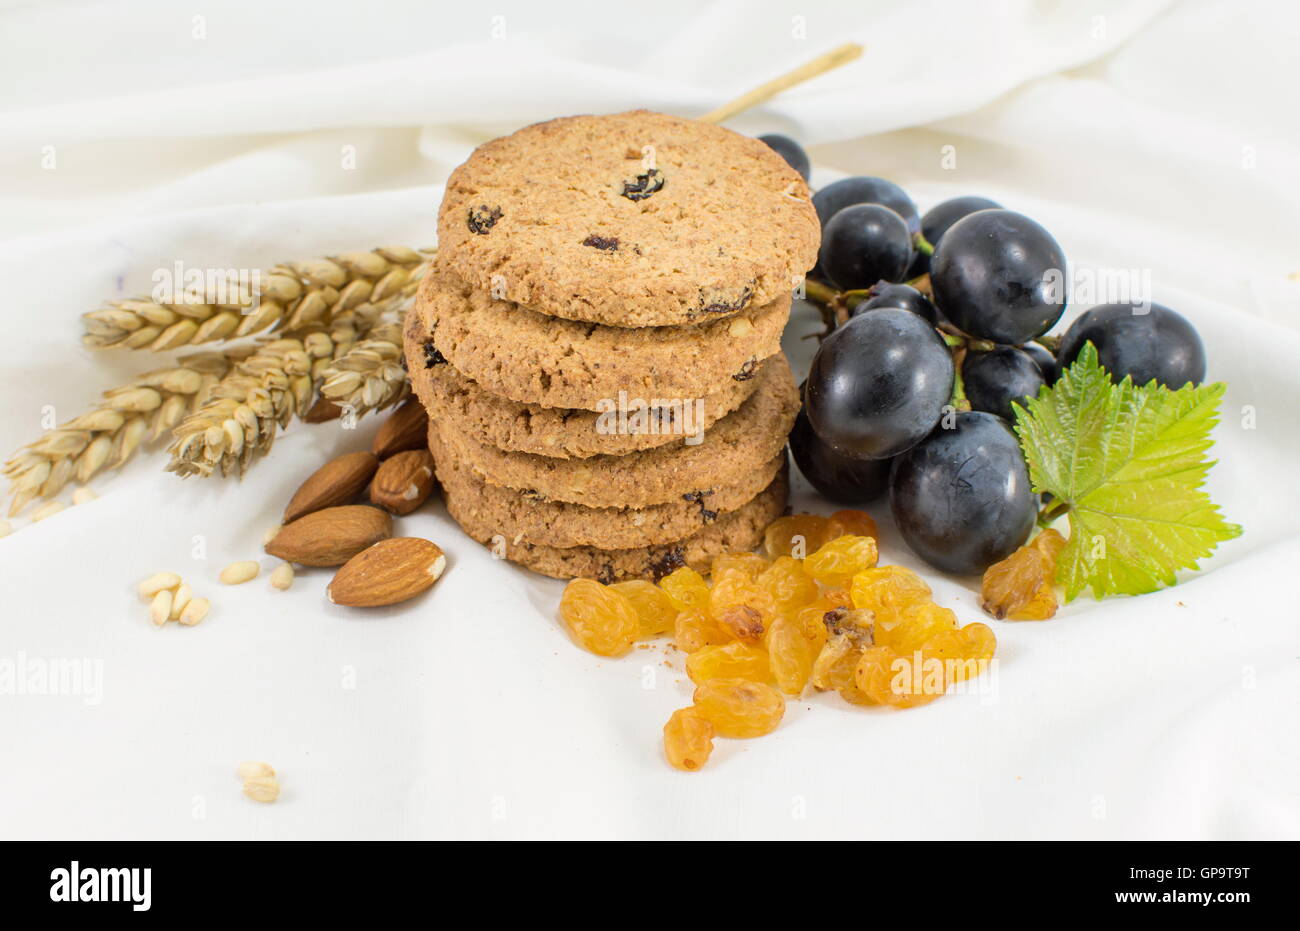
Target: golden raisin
{"type": "Point", "coordinates": [854, 620]}
{"type": "Point", "coordinates": [742, 622]}
{"type": "Point", "coordinates": [789, 585]}
{"type": "Point", "coordinates": [796, 535]}
{"type": "Point", "coordinates": [965, 653]}
{"type": "Point", "coordinates": [1049, 543]}
{"type": "Point", "coordinates": [851, 523]}
{"type": "Point", "coordinates": [600, 619]}
{"type": "Point", "coordinates": [835, 664]}
{"type": "Point", "coordinates": [886, 678]}
{"type": "Point", "coordinates": [686, 589]}
{"type": "Point", "coordinates": [841, 559]}
{"type": "Point", "coordinates": [739, 708]}
{"type": "Point", "coordinates": [653, 608]}
{"type": "Point", "coordinates": [733, 587]}
{"type": "Point", "coordinates": [886, 590]}
{"type": "Point", "coordinates": [1020, 586]}
{"type": "Point", "coordinates": [733, 660]}
{"type": "Point", "coordinates": [688, 739]}
{"type": "Point", "coordinates": [694, 629]}
{"type": "Point", "coordinates": [790, 654]}
{"type": "Point", "coordinates": [812, 618]}
{"type": "Point", "coordinates": [751, 564]}
{"type": "Point", "coordinates": [908, 629]}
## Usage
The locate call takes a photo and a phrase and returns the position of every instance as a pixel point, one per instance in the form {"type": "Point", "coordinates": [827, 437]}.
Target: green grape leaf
{"type": "Point", "coordinates": [1127, 463]}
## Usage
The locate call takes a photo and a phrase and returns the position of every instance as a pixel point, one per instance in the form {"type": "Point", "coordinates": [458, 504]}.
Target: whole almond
{"type": "Point", "coordinates": [336, 482]}
{"type": "Point", "coordinates": [386, 573]}
{"type": "Point", "coordinates": [332, 536]}
{"type": "Point", "coordinates": [404, 481]}
{"type": "Point", "coordinates": [406, 428]}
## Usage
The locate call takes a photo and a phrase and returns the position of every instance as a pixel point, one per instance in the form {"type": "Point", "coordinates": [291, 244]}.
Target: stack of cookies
{"type": "Point", "coordinates": [598, 343]}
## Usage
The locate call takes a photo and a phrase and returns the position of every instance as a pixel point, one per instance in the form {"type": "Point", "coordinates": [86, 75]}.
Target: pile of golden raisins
{"type": "Point", "coordinates": [816, 610]}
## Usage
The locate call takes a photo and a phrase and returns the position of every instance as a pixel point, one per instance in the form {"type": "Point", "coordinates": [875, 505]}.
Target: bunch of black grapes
{"type": "Point", "coordinates": [885, 407]}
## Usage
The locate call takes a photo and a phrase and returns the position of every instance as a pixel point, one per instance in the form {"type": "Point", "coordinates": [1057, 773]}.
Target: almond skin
{"type": "Point", "coordinates": [386, 573]}
{"type": "Point", "coordinates": [331, 537]}
{"type": "Point", "coordinates": [406, 428]}
{"type": "Point", "coordinates": [322, 411]}
{"type": "Point", "coordinates": [404, 481]}
{"type": "Point", "coordinates": [336, 482]}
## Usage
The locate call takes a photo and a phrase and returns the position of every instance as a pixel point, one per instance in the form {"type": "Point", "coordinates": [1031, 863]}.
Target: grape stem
{"type": "Point", "coordinates": [834, 305]}
{"type": "Point", "coordinates": [1051, 343]}
{"type": "Point", "coordinates": [824, 298]}
{"type": "Point", "coordinates": [1050, 513]}
{"type": "Point", "coordinates": [922, 245]}
{"type": "Point", "coordinates": [955, 339]}
{"type": "Point", "coordinates": [818, 291]}
{"type": "Point", "coordinates": [958, 399]}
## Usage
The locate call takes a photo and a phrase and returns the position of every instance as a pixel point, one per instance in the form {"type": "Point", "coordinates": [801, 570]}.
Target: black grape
{"type": "Point", "coordinates": [1159, 344]}
{"type": "Point", "coordinates": [901, 296]}
{"type": "Point", "coordinates": [1044, 358]}
{"type": "Point", "coordinates": [940, 218]}
{"type": "Point", "coordinates": [846, 192]}
{"type": "Point", "coordinates": [937, 220]}
{"type": "Point", "coordinates": [995, 378]}
{"type": "Point", "coordinates": [789, 150]}
{"type": "Point", "coordinates": [878, 384]}
{"type": "Point", "coordinates": [841, 478]}
{"type": "Point", "coordinates": [863, 244]}
{"type": "Point", "coordinates": [961, 497]}
{"type": "Point", "coordinates": [1000, 276]}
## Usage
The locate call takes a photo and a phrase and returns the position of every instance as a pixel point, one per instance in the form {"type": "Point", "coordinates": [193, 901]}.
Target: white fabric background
{"type": "Point", "coordinates": [1144, 135]}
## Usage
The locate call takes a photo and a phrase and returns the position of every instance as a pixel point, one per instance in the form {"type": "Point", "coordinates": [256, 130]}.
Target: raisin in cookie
{"type": "Point", "coordinates": [631, 219]}
{"type": "Point", "coordinates": [732, 449]}
{"type": "Point", "coordinates": [515, 353]}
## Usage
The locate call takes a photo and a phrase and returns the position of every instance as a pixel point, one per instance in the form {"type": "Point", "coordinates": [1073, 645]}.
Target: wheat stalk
{"type": "Point", "coordinates": [290, 297]}
{"type": "Point", "coordinates": [130, 416]}
{"type": "Point", "coordinates": [841, 55]}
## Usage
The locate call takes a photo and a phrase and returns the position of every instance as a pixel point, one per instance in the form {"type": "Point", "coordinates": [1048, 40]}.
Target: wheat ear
{"type": "Point", "coordinates": [246, 410]}
{"type": "Point", "coordinates": [290, 297]}
{"type": "Point", "coordinates": [370, 376]}
{"type": "Point", "coordinates": [129, 416]}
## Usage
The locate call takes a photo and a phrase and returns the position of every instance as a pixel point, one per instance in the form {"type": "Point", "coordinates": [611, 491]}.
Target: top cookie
{"type": "Point", "coordinates": [632, 219]}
